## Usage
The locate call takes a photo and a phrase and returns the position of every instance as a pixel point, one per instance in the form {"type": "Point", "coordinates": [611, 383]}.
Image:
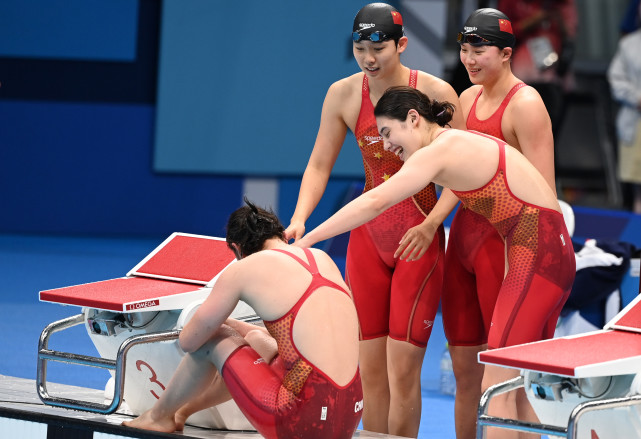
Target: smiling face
{"type": "Point", "coordinates": [399, 137]}
{"type": "Point", "coordinates": [375, 59]}
{"type": "Point", "coordinates": [483, 63]}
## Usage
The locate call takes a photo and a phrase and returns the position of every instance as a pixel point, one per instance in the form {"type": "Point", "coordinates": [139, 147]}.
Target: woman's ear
{"type": "Point", "coordinates": [413, 117]}
{"type": "Point", "coordinates": [507, 53]}
{"type": "Point", "coordinates": [402, 44]}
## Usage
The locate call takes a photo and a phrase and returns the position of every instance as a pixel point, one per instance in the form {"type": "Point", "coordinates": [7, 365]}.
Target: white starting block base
{"type": "Point", "coordinates": [134, 322]}
{"type": "Point", "coordinates": [24, 416]}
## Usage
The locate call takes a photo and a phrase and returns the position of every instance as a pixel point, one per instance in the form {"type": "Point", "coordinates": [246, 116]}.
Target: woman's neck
{"type": "Point", "coordinates": [432, 132]}
{"type": "Point", "coordinates": [499, 87]}
{"type": "Point", "coordinates": [377, 86]}
{"type": "Point", "coordinates": [272, 243]}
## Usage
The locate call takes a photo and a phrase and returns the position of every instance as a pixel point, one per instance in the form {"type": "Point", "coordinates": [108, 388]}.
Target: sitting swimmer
{"type": "Point", "coordinates": [312, 387]}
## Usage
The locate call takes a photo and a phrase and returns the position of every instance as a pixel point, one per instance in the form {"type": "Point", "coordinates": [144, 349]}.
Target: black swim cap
{"type": "Point", "coordinates": [491, 25]}
{"type": "Point", "coordinates": [380, 19]}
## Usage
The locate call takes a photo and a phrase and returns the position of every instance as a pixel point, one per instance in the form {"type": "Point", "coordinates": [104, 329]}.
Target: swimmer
{"type": "Point", "coordinates": [501, 105]}
{"type": "Point", "coordinates": [494, 180]}
{"type": "Point", "coordinates": [396, 298]}
{"type": "Point", "coordinates": [312, 387]}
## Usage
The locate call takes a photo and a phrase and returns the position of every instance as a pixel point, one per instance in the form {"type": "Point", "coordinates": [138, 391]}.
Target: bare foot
{"type": "Point", "coordinates": [179, 420]}
{"type": "Point", "coordinates": [147, 421]}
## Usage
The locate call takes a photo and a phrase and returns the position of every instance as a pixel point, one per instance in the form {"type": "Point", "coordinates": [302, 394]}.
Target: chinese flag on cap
{"type": "Point", "coordinates": [505, 25]}
{"type": "Point", "coordinates": [396, 17]}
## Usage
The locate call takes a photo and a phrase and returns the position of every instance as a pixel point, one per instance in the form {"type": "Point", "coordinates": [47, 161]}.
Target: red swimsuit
{"type": "Point", "coordinates": [393, 298]}
{"type": "Point", "coordinates": [475, 257]}
{"type": "Point", "coordinates": [291, 398]}
{"type": "Point", "coordinates": [541, 264]}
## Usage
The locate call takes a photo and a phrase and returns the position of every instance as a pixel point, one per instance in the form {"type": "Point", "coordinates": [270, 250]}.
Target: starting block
{"type": "Point", "coordinates": [134, 323]}
{"type": "Point", "coordinates": [593, 377]}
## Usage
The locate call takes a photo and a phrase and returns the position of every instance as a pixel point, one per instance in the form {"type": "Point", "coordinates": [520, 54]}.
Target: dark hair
{"type": "Point", "coordinates": [397, 101]}
{"type": "Point", "coordinates": [250, 226]}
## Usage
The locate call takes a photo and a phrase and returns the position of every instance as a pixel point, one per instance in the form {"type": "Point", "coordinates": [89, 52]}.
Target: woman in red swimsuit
{"type": "Point", "coordinates": [494, 180]}
{"type": "Point", "coordinates": [312, 387]}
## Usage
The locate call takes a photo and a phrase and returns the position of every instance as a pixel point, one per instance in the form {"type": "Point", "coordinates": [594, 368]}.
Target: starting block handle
{"type": "Point", "coordinates": [484, 420]}
{"type": "Point", "coordinates": [604, 404]}
{"type": "Point", "coordinates": [117, 365]}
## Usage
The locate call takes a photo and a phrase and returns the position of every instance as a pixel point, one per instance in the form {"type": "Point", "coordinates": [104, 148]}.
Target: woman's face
{"type": "Point", "coordinates": [481, 62]}
{"type": "Point", "coordinates": [375, 59]}
{"type": "Point", "coordinates": [399, 137]}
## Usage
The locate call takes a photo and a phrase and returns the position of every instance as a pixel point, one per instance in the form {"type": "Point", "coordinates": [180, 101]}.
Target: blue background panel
{"type": "Point", "coordinates": [241, 85]}
{"type": "Point", "coordinates": [69, 29]}
{"type": "Point", "coordinates": [86, 169]}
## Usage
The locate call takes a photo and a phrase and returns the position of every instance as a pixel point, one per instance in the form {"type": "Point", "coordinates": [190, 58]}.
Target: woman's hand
{"type": "Point", "coordinates": [415, 242]}
{"type": "Point", "coordinates": [295, 231]}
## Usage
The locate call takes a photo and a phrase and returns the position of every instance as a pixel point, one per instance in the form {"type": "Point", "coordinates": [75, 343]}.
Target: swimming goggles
{"type": "Point", "coordinates": [472, 39]}
{"type": "Point", "coordinates": [376, 37]}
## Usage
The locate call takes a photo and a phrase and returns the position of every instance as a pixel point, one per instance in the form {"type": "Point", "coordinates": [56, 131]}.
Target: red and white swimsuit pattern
{"type": "Point", "coordinates": [541, 262]}
{"type": "Point", "coordinates": [291, 398]}
{"type": "Point", "coordinates": [393, 298]}
{"type": "Point", "coordinates": [475, 257]}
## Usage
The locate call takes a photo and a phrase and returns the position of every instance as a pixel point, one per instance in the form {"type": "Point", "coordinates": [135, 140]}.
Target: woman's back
{"type": "Point", "coordinates": [472, 159]}
{"type": "Point", "coordinates": [325, 328]}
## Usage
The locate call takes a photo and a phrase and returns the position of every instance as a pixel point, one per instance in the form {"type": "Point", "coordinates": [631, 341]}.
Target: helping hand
{"type": "Point", "coordinates": [295, 231]}
{"type": "Point", "coordinates": [415, 242]}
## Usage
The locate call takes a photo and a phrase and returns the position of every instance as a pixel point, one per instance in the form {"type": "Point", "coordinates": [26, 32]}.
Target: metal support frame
{"type": "Point", "coordinates": [570, 432]}
{"type": "Point", "coordinates": [117, 365]}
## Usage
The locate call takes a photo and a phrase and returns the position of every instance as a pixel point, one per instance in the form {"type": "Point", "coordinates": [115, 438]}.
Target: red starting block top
{"type": "Point", "coordinates": [600, 353]}
{"type": "Point", "coordinates": [170, 277]}
{"type": "Point", "coordinates": [629, 319]}
{"type": "Point", "coordinates": [186, 258]}
{"type": "Point", "coordinates": [125, 294]}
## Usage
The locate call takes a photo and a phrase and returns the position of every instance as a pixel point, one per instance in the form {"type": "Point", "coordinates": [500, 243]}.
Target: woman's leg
{"type": "Point", "coordinates": [214, 394]}
{"type": "Point", "coordinates": [469, 377]}
{"type": "Point", "coordinates": [503, 405]}
{"type": "Point", "coordinates": [376, 391]}
{"type": "Point", "coordinates": [195, 372]}
{"type": "Point", "coordinates": [511, 405]}
{"type": "Point", "coordinates": [260, 340]}
{"type": "Point", "coordinates": [404, 363]}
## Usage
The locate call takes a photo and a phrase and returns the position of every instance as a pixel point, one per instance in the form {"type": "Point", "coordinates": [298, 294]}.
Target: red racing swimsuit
{"type": "Point", "coordinates": [475, 257]}
{"type": "Point", "coordinates": [393, 298]}
{"type": "Point", "coordinates": [541, 263]}
{"type": "Point", "coordinates": [291, 398]}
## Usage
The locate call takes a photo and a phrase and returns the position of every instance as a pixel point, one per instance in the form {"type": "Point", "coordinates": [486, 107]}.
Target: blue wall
{"type": "Point", "coordinates": [77, 125]}
{"type": "Point", "coordinates": [77, 136]}
{"type": "Point", "coordinates": [74, 168]}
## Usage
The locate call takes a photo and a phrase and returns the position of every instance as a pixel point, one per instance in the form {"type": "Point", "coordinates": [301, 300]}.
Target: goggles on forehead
{"type": "Point", "coordinates": [376, 37]}
{"type": "Point", "coordinates": [472, 39]}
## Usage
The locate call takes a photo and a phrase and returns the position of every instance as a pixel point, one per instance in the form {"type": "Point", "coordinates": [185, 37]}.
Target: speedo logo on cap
{"type": "Point", "coordinates": [469, 28]}
{"type": "Point", "coordinates": [364, 26]}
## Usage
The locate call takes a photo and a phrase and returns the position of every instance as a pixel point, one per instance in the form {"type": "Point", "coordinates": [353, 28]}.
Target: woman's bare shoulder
{"type": "Point", "coordinates": [435, 87]}
{"type": "Point", "coordinates": [347, 86]}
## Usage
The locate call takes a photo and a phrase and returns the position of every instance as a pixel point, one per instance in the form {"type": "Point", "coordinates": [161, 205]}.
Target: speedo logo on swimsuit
{"type": "Point", "coordinates": [364, 26]}
{"type": "Point", "coordinates": [562, 239]}
{"type": "Point", "coordinates": [358, 406]}
{"type": "Point", "coordinates": [373, 139]}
